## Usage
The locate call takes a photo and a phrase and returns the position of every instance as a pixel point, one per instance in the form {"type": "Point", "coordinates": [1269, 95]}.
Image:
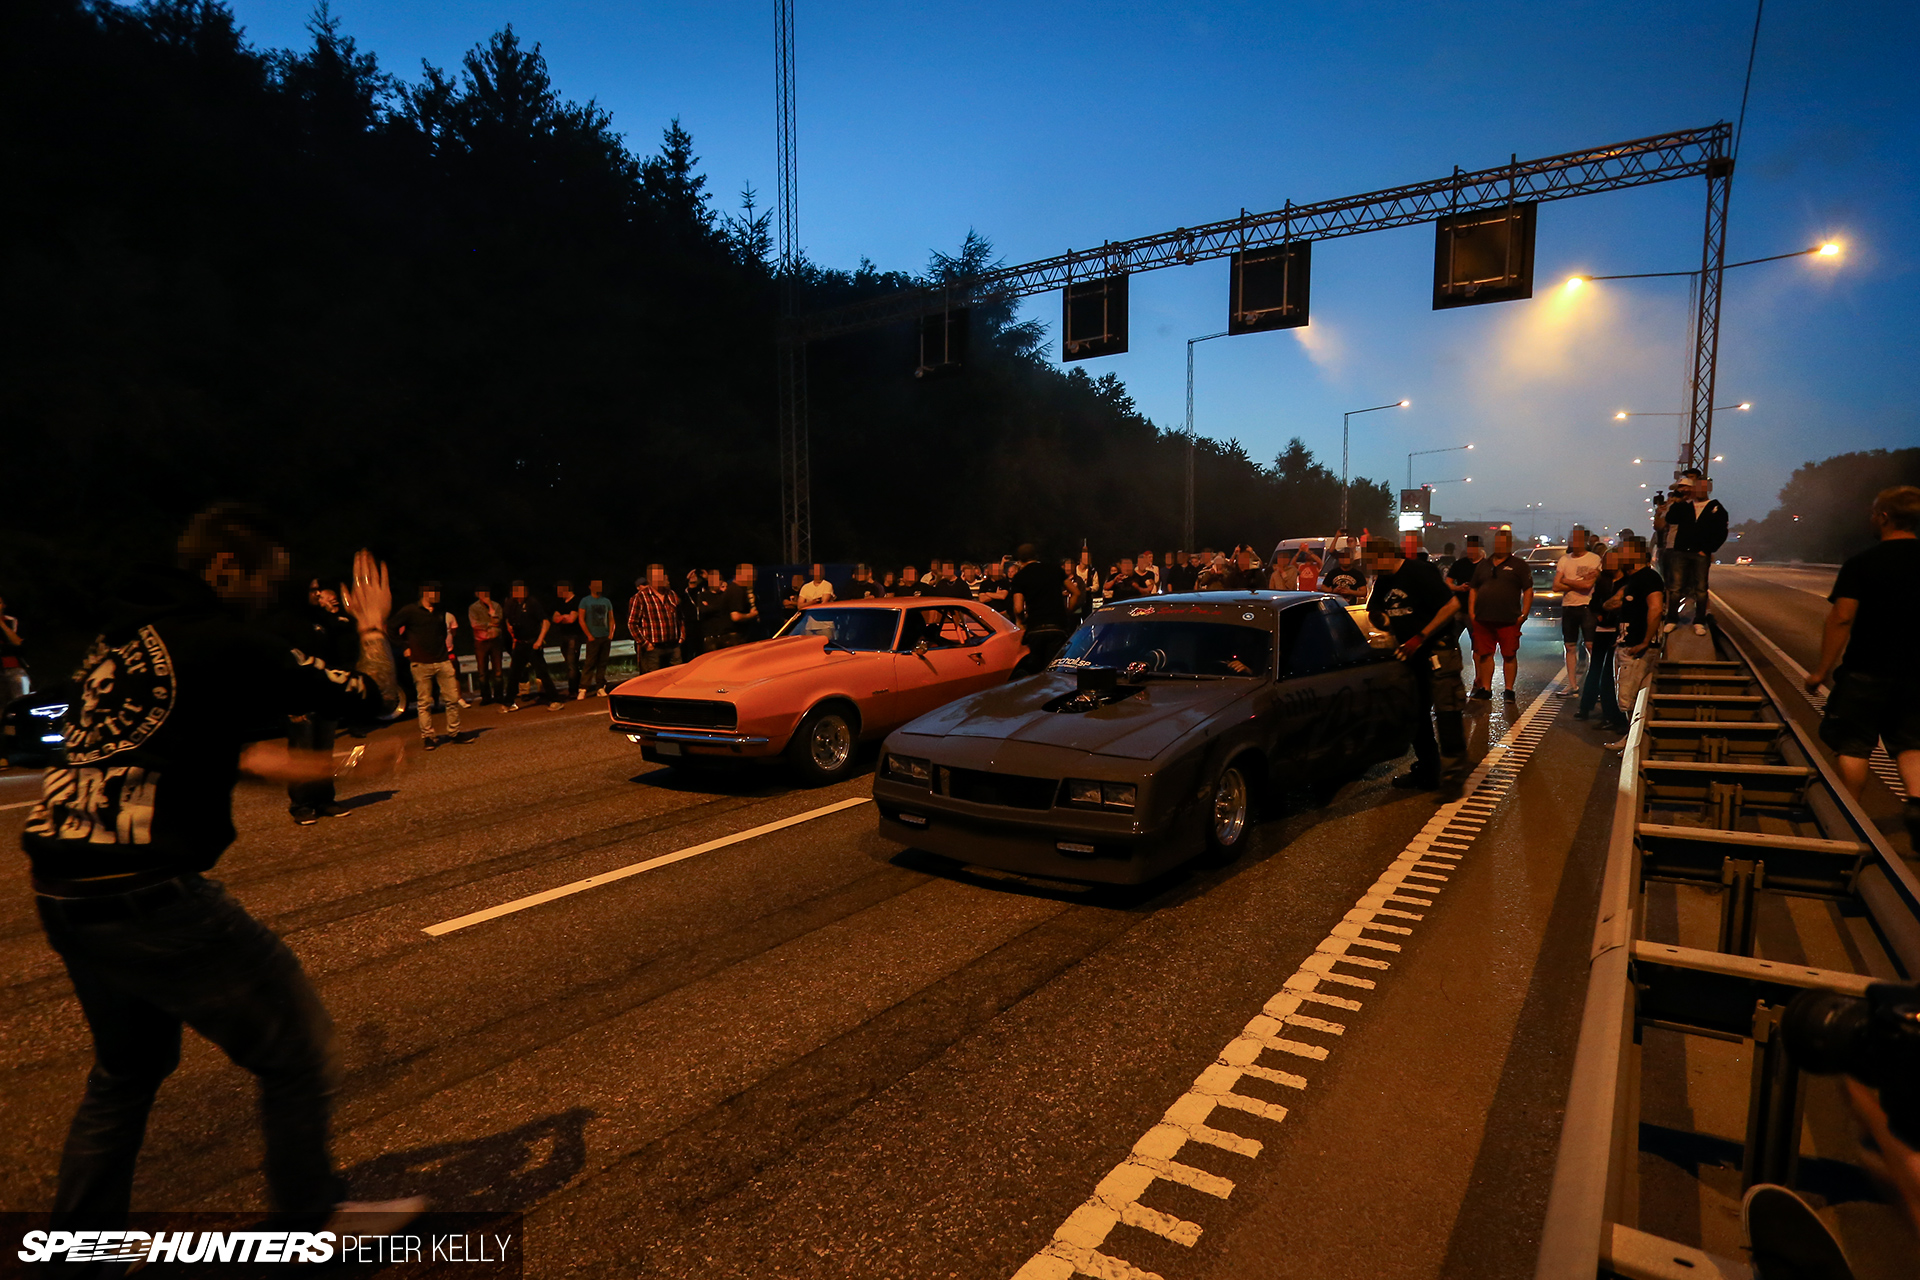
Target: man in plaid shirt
{"type": "Point", "coordinates": [653, 620]}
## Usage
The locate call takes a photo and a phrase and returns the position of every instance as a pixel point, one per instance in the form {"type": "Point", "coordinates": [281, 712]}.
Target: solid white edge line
{"type": "Point", "coordinates": [621, 873]}
{"type": "Point", "coordinates": [24, 804]}
{"type": "Point", "coordinates": [1077, 1244]}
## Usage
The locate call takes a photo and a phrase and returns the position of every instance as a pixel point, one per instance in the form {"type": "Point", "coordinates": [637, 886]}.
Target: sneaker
{"type": "Point", "coordinates": [303, 817]}
{"type": "Point", "coordinates": [1788, 1238]}
{"type": "Point", "coordinates": [580, 695]}
{"type": "Point", "coordinates": [601, 694]}
{"type": "Point", "coordinates": [1567, 692]}
{"type": "Point", "coordinates": [511, 706]}
{"type": "Point", "coordinates": [465, 739]}
{"type": "Point", "coordinates": [556, 704]}
{"type": "Point", "coordinates": [463, 702]}
{"type": "Point", "coordinates": [1485, 695]}
{"type": "Point", "coordinates": [429, 744]}
{"type": "Point", "coordinates": [1511, 696]}
{"type": "Point", "coordinates": [335, 811]}
{"type": "Point", "coordinates": [1668, 629]}
{"type": "Point", "coordinates": [1699, 628]}
{"type": "Point", "coordinates": [1616, 747]}
{"type": "Point", "coordinates": [374, 1217]}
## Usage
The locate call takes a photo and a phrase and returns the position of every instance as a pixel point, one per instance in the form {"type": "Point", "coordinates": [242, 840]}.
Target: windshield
{"type": "Point", "coordinates": [847, 628]}
{"type": "Point", "coordinates": [1183, 646]}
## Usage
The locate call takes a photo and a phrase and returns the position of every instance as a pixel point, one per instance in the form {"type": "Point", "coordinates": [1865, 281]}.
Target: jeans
{"type": "Point", "coordinates": [652, 657]}
{"type": "Point", "coordinates": [593, 663]}
{"type": "Point", "coordinates": [570, 654]}
{"type": "Point", "coordinates": [1688, 581]}
{"type": "Point", "coordinates": [308, 734]}
{"type": "Point", "coordinates": [1599, 682]}
{"type": "Point", "coordinates": [425, 676]}
{"type": "Point", "coordinates": [524, 656]}
{"type": "Point", "coordinates": [202, 961]}
{"type": "Point", "coordinates": [486, 669]}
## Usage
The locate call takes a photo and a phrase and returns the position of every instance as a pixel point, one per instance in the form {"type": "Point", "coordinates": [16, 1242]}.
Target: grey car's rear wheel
{"type": "Point", "coordinates": [822, 749]}
{"type": "Point", "coordinates": [1229, 812]}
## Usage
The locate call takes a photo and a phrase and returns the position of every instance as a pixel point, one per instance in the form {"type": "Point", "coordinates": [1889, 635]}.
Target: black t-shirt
{"type": "Point", "coordinates": [1633, 610]}
{"type": "Point", "coordinates": [710, 611]}
{"type": "Point", "coordinates": [1885, 579]}
{"type": "Point", "coordinates": [1180, 577]}
{"type": "Point", "coordinates": [1127, 586]}
{"type": "Point", "coordinates": [1604, 588]}
{"type": "Point", "coordinates": [523, 618]}
{"type": "Point", "coordinates": [1044, 587]}
{"type": "Point", "coordinates": [858, 590]}
{"type": "Point", "coordinates": [153, 739]}
{"type": "Point", "coordinates": [1460, 572]}
{"type": "Point", "coordinates": [951, 589]}
{"type": "Point", "coordinates": [567, 630]}
{"type": "Point", "coordinates": [739, 599]}
{"type": "Point", "coordinates": [1404, 602]}
{"type": "Point", "coordinates": [422, 632]}
{"type": "Point", "coordinates": [995, 592]}
{"type": "Point", "coordinates": [1500, 590]}
{"type": "Point", "coordinates": [1342, 578]}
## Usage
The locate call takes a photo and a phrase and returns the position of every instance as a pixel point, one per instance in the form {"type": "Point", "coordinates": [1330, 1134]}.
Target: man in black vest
{"type": "Point", "coordinates": [1699, 525]}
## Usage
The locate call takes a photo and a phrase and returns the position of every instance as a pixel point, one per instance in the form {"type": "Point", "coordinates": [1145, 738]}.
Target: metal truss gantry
{"type": "Point", "coordinates": [796, 484]}
{"type": "Point", "coordinates": [1666, 157]}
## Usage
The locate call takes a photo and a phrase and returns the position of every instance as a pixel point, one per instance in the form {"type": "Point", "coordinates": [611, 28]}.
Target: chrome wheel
{"type": "Point", "coordinates": [830, 743]}
{"type": "Point", "coordinates": [1229, 809]}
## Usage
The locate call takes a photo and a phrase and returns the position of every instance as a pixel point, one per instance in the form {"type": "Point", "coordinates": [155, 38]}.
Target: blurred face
{"type": "Point", "coordinates": [909, 574]}
{"type": "Point", "coordinates": [657, 578]}
{"type": "Point", "coordinates": [593, 588]}
{"type": "Point", "coordinates": [1474, 551]}
{"type": "Point", "coordinates": [1410, 545]}
{"type": "Point", "coordinates": [519, 591]}
{"type": "Point", "coordinates": [716, 579]}
{"type": "Point", "coordinates": [1146, 559]}
{"type": "Point", "coordinates": [799, 581]}
{"type": "Point", "coordinates": [743, 575]}
{"type": "Point", "coordinates": [483, 596]}
{"type": "Point", "coordinates": [1503, 544]}
{"type": "Point", "coordinates": [819, 572]}
{"type": "Point", "coordinates": [233, 583]}
{"type": "Point", "coordinates": [1611, 561]}
{"type": "Point", "coordinates": [1126, 567]}
{"type": "Point", "coordinates": [562, 590]}
{"type": "Point", "coordinates": [993, 570]}
{"type": "Point", "coordinates": [1577, 542]}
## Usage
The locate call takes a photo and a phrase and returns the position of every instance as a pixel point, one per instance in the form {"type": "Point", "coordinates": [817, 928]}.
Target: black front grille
{"type": "Point", "coordinates": [674, 713]}
{"type": "Point", "coordinates": [1006, 789]}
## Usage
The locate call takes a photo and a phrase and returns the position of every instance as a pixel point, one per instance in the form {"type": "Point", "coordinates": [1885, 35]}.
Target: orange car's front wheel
{"type": "Point", "coordinates": [822, 748]}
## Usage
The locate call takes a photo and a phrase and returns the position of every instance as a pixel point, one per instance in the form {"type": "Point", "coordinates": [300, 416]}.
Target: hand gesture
{"type": "Point", "coordinates": [370, 597]}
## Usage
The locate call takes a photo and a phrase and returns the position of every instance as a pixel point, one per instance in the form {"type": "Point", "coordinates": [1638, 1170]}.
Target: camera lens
{"type": "Point", "coordinates": [1825, 1032]}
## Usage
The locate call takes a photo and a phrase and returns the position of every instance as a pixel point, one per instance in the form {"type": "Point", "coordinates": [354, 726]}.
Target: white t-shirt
{"type": "Point", "coordinates": [1570, 567]}
{"type": "Point", "coordinates": [816, 592]}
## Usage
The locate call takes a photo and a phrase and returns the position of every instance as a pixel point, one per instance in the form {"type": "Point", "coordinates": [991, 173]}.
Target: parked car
{"type": "Point", "coordinates": [1152, 738]}
{"type": "Point", "coordinates": [836, 675]}
{"type": "Point", "coordinates": [1549, 553]}
{"type": "Point", "coordinates": [30, 727]}
{"type": "Point", "coordinates": [1546, 597]}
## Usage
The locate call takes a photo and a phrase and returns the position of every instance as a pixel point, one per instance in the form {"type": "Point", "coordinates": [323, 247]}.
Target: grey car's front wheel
{"type": "Point", "coordinates": [823, 747]}
{"type": "Point", "coordinates": [1228, 812]}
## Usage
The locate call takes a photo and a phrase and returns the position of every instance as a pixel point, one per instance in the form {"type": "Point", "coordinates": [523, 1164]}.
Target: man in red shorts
{"type": "Point", "coordinates": [1498, 601]}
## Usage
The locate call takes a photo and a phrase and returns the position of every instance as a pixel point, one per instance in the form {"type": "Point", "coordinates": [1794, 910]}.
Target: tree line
{"type": "Point", "coordinates": [455, 316]}
{"type": "Point", "coordinates": [1822, 515]}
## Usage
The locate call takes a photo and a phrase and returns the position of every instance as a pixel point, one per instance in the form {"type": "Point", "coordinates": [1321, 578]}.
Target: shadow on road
{"type": "Point", "coordinates": [509, 1170]}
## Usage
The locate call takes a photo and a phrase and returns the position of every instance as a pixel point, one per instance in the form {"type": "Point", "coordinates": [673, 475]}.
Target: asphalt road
{"type": "Point", "coordinates": [807, 1053]}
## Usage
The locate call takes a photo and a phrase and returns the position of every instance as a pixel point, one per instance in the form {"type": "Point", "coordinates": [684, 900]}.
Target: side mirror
{"type": "Point", "coordinates": [919, 648]}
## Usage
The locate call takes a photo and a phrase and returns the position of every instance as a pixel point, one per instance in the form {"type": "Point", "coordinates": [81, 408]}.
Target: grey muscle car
{"type": "Point", "coordinates": [1152, 737]}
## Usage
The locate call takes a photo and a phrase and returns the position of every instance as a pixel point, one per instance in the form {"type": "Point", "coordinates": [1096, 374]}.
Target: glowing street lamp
{"type": "Point", "coordinates": [1345, 419]}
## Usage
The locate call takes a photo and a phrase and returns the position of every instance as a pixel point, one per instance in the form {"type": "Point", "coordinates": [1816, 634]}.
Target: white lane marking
{"type": "Point", "coordinates": [1880, 762]}
{"type": "Point", "coordinates": [1079, 1244]}
{"type": "Point", "coordinates": [621, 873]}
{"type": "Point", "coordinates": [24, 804]}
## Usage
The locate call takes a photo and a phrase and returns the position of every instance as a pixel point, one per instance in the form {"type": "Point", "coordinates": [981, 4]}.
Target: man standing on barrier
{"type": "Point", "coordinates": [1412, 602]}
{"type": "Point", "coordinates": [174, 698]}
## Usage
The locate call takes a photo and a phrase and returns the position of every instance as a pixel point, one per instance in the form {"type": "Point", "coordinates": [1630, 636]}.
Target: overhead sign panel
{"type": "Point", "coordinates": [1483, 256]}
{"type": "Point", "coordinates": [1270, 287]}
{"type": "Point", "coordinates": [1093, 319]}
{"type": "Point", "coordinates": [943, 342]}
{"type": "Point", "coordinates": [1415, 499]}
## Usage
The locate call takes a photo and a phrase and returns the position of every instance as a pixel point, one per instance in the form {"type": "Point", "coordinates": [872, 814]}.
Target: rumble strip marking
{"type": "Point", "coordinates": [1419, 873]}
{"type": "Point", "coordinates": [621, 873]}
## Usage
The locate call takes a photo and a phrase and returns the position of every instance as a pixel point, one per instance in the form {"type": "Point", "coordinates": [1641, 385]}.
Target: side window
{"type": "Point", "coordinates": [943, 628]}
{"type": "Point", "coordinates": [1309, 640]}
{"type": "Point", "coordinates": [1349, 639]}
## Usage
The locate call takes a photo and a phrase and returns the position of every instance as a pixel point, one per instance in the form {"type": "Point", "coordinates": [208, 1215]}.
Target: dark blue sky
{"type": "Point", "coordinates": [1055, 126]}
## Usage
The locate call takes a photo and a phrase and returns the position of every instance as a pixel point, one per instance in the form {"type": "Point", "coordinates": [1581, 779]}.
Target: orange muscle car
{"type": "Point", "coordinates": [836, 675]}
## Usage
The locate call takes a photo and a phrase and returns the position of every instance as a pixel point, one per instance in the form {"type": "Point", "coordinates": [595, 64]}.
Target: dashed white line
{"type": "Point", "coordinates": [1413, 879]}
{"type": "Point", "coordinates": [621, 873]}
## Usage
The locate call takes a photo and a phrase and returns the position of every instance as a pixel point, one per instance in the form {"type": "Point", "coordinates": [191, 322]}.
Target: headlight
{"type": "Point", "coordinates": [1101, 795]}
{"type": "Point", "coordinates": [909, 769]}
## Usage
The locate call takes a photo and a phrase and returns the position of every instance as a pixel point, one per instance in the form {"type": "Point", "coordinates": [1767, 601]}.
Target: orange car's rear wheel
{"type": "Point", "coordinates": [822, 749]}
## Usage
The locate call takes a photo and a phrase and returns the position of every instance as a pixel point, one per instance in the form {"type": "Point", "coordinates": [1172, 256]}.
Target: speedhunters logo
{"type": "Point", "coordinates": [178, 1246]}
{"type": "Point", "coordinates": [232, 1246]}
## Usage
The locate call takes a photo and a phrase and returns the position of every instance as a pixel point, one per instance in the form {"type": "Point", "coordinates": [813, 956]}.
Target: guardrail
{"type": "Point", "coordinates": [469, 666]}
{"type": "Point", "coordinates": [1720, 793]}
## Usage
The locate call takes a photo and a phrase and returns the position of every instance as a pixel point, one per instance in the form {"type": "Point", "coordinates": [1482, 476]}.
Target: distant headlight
{"type": "Point", "coordinates": [910, 769]}
{"type": "Point", "coordinates": [1100, 795]}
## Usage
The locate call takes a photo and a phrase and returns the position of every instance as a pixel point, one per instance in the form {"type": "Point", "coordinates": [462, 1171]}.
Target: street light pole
{"type": "Point", "coordinates": [1421, 453]}
{"type": "Point", "coordinates": [1190, 446]}
{"type": "Point", "coordinates": [1345, 419]}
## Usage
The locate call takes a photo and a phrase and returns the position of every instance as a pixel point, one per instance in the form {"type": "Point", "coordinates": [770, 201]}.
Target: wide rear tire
{"type": "Point", "coordinates": [823, 748]}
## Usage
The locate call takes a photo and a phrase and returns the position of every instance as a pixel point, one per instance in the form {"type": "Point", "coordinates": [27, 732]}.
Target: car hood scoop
{"type": "Point", "coordinates": [1094, 688]}
{"type": "Point", "coordinates": [1148, 719]}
